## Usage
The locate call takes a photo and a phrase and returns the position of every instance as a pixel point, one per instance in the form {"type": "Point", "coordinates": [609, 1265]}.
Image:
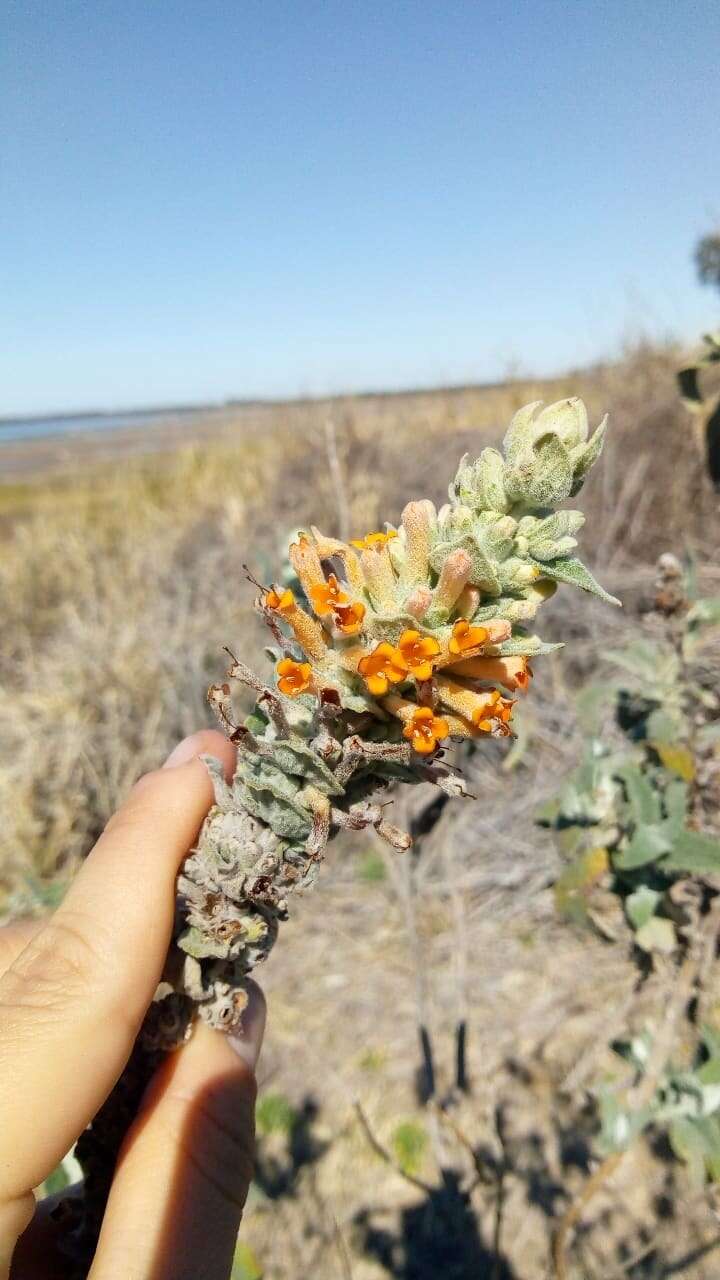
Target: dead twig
{"type": "Point", "coordinates": [573, 1214]}
{"type": "Point", "coordinates": [338, 481]}
{"type": "Point", "coordinates": [343, 1252]}
{"type": "Point", "coordinates": [385, 1155]}
{"type": "Point", "coordinates": [483, 1175]}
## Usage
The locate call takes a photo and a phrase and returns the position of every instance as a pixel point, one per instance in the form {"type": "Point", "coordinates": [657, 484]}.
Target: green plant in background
{"type": "Point", "coordinates": [274, 1114]}
{"type": "Point", "coordinates": [372, 868]}
{"type": "Point", "coordinates": [409, 1144]}
{"type": "Point", "coordinates": [638, 824]}
{"type": "Point", "coordinates": [684, 1102]}
{"type": "Point", "coordinates": [36, 895]}
{"type": "Point", "coordinates": [388, 648]}
{"type": "Point", "coordinates": [628, 819]}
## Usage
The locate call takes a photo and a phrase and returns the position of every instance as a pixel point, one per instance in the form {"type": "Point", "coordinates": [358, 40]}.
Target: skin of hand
{"type": "Point", "coordinates": [73, 993]}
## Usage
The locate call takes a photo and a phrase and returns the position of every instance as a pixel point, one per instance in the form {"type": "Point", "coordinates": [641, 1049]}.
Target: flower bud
{"type": "Point", "coordinates": [549, 453]}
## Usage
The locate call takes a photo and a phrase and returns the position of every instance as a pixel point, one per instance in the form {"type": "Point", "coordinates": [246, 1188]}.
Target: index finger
{"type": "Point", "coordinates": [14, 939]}
{"type": "Point", "coordinates": [71, 1004]}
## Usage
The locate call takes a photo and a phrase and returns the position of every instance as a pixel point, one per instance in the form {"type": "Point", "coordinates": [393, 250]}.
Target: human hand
{"type": "Point", "coordinates": [73, 993]}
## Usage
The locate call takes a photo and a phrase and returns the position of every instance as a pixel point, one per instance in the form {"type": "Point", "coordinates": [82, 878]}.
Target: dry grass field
{"type": "Point", "coordinates": [121, 579]}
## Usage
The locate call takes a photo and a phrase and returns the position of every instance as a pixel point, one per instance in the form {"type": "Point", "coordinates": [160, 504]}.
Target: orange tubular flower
{"type": "Point", "coordinates": [381, 668]}
{"type": "Point", "coordinates": [495, 717]}
{"type": "Point", "coordinates": [466, 637]}
{"type": "Point", "coordinates": [349, 618]}
{"type": "Point", "coordinates": [417, 653]}
{"type": "Point", "coordinates": [513, 673]}
{"type": "Point", "coordinates": [278, 600]}
{"type": "Point", "coordinates": [325, 596]}
{"type": "Point", "coordinates": [425, 729]}
{"type": "Point", "coordinates": [295, 677]}
{"type": "Point", "coordinates": [373, 541]}
{"type": "Point", "coordinates": [524, 677]}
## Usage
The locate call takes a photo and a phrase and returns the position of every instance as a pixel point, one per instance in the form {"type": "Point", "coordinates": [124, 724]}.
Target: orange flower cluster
{"type": "Point", "coordinates": [329, 598]}
{"type": "Point", "coordinates": [456, 664]}
{"type": "Point", "coordinates": [387, 665]}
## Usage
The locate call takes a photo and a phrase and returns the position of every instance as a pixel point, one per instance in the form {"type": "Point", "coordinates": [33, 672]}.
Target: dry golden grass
{"type": "Point", "coordinates": [121, 583]}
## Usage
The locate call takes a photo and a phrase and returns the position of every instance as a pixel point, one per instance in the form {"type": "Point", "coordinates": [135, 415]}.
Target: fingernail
{"type": "Point", "coordinates": [247, 1040]}
{"type": "Point", "coordinates": [182, 753]}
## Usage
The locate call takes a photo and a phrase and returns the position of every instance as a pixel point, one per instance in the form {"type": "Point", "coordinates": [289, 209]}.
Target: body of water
{"type": "Point", "coordinates": [13, 429]}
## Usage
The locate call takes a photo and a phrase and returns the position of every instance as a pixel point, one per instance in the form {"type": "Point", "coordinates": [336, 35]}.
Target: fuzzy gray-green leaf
{"type": "Point", "coordinates": [694, 853]}
{"type": "Point", "coordinates": [657, 934]}
{"type": "Point", "coordinates": [640, 905]}
{"type": "Point", "coordinates": [489, 490]}
{"type": "Point", "coordinates": [526, 647]}
{"type": "Point", "coordinates": [585, 457]}
{"type": "Point", "coordinates": [647, 845]}
{"type": "Point", "coordinates": [643, 799]}
{"type": "Point", "coordinates": [575, 574]}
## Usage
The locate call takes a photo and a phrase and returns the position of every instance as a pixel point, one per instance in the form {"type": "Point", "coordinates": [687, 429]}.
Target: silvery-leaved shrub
{"type": "Point", "coordinates": [385, 650]}
{"type": "Point", "coordinates": [639, 829]}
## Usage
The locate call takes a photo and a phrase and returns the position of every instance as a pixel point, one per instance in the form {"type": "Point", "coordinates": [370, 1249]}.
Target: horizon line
{"type": "Point", "coordinates": [238, 402]}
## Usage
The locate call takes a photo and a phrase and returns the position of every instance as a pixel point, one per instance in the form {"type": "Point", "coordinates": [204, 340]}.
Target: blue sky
{"type": "Point", "coordinates": [203, 199]}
